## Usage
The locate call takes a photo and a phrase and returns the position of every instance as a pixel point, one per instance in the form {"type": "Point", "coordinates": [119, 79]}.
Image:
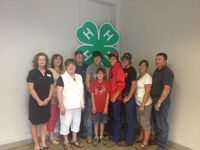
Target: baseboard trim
{"type": "Point", "coordinates": [16, 144]}
{"type": "Point", "coordinates": [178, 146]}
{"type": "Point", "coordinates": [30, 141]}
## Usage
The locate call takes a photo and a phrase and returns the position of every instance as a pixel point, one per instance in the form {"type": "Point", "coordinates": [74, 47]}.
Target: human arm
{"type": "Point", "coordinates": [59, 90]}
{"type": "Point", "coordinates": [83, 96]}
{"type": "Point", "coordinates": [145, 97]}
{"type": "Point", "coordinates": [163, 96]}
{"type": "Point", "coordinates": [120, 84]}
{"type": "Point", "coordinates": [105, 111]}
{"type": "Point", "coordinates": [132, 91]}
{"type": "Point", "coordinates": [87, 80]}
{"type": "Point", "coordinates": [34, 94]}
{"type": "Point", "coordinates": [50, 95]}
{"type": "Point", "coordinates": [93, 103]}
{"type": "Point", "coordinates": [60, 99]}
{"type": "Point", "coordinates": [167, 82]}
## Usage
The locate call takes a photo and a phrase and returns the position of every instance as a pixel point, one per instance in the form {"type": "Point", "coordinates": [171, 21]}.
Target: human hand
{"type": "Point", "coordinates": [157, 106]}
{"type": "Point", "coordinates": [83, 107]}
{"type": "Point", "coordinates": [141, 109]}
{"type": "Point", "coordinates": [105, 111]}
{"type": "Point", "coordinates": [40, 103]}
{"type": "Point", "coordinates": [45, 102]}
{"type": "Point", "coordinates": [53, 102]}
{"type": "Point", "coordinates": [62, 110]}
{"type": "Point", "coordinates": [126, 99]}
{"type": "Point", "coordinates": [113, 99]}
{"type": "Point", "coordinates": [93, 109]}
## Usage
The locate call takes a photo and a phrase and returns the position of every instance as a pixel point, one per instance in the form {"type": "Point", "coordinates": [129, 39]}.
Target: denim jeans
{"type": "Point", "coordinates": [161, 127]}
{"type": "Point", "coordinates": [115, 120]}
{"type": "Point", "coordinates": [88, 118]}
{"type": "Point", "coordinates": [130, 119]}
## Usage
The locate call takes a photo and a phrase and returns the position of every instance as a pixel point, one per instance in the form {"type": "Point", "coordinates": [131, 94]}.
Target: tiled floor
{"type": "Point", "coordinates": [86, 147]}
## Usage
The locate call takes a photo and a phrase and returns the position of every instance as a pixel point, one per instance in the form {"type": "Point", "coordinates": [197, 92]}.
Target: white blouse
{"type": "Point", "coordinates": [140, 90]}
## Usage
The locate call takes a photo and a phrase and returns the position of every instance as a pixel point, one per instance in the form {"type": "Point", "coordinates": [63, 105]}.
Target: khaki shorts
{"type": "Point", "coordinates": [144, 118]}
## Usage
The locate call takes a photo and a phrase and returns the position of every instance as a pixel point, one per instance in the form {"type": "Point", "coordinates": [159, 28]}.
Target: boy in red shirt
{"type": "Point", "coordinates": [99, 89]}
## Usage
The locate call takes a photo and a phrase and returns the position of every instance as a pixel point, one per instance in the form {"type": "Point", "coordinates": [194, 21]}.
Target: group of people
{"type": "Point", "coordinates": [87, 99]}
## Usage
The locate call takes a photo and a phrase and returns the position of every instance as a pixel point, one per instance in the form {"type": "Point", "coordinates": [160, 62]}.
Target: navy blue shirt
{"type": "Point", "coordinates": [82, 71]}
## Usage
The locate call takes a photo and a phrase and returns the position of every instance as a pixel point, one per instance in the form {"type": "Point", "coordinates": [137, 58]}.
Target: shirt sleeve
{"type": "Point", "coordinates": [30, 77]}
{"type": "Point", "coordinates": [52, 79]}
{"type": "Point", "coordinates": [133, 74]}
{"type": "Point", "coordinates": [60, 82]}
{"type": "Point", "coordinates": [148, 79]}
{"type": "Point", "coordinates": [168, 78]}
{"type": "Point", "coordinates": [120, 80]}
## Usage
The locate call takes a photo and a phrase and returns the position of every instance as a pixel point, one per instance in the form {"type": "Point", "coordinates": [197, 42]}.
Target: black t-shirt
{"type": "Point", "coordinates": [162, 77]}
{"type": "Point", "coordinates": [131, 75]}
{"type": "Point", "coordinates": [41, 83]}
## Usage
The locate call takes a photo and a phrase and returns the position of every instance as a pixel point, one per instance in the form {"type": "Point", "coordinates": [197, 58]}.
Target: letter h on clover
{"type": "Point", "coordinates": [93, 39]}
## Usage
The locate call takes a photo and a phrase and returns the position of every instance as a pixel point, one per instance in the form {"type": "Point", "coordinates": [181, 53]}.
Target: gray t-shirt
{"type": "Point", "coordinates": [91, 70]}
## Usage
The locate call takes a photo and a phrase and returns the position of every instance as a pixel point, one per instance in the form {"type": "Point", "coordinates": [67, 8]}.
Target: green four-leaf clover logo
{"type": "Point", "coordinates": [92, 39]}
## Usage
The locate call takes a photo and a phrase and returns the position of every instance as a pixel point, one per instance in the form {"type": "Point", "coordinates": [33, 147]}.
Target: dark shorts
{"type": "Point", "coordinates": [99, 117]}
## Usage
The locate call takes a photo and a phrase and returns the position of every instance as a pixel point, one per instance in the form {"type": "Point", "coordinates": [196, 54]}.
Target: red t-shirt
{"type": "Point", "coordinates": [100, 91]}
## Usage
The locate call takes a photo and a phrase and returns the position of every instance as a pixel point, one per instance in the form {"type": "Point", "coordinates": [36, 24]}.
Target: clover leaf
{"type": "Point", "coordinates": [93, 39]}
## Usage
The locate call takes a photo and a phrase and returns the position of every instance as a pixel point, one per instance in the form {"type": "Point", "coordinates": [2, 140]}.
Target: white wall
{"type": "Point", "coordinates": [146, 27]}
{"type": "Point", "coordinates": [28, 27]}
{"type": "Point", "coordinates": [172, 26]}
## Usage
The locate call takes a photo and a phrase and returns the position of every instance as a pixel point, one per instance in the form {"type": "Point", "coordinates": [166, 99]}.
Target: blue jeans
{"type": "Point", "coordinates": [81, 131]}
{"type": "Point", "coordinates": [115, 120]}
{"type": "Point", "coordinates": [130, 120]}
{"type": "Point", "coordinates": [88, 118]}
{"type": "Point", "coordinates": [161, 127]}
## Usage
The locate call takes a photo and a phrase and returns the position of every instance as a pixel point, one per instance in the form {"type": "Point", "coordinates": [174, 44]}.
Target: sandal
{"type": "Point", "coordinates": [57, 138]}
{"type": "Point", "coordinates": [54, 141]}
{"type": "Point", "coordinates": [77, 144]}
{"type": "Point", "coordinates": [44, 148]}
{"type": "Point", "coordinates": [67, 147]}
{"type": "Point", "coordinates": [138, 141]}
{"type": "Point", "coordinates": [142, 146]}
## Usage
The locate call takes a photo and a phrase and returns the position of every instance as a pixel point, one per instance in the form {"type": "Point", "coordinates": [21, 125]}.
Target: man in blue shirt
{"type": "Point", "coordinates": [81, 69]}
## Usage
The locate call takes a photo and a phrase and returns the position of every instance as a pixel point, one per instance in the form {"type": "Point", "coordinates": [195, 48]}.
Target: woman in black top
{"type": "Point", "coordinates": [40, 86]}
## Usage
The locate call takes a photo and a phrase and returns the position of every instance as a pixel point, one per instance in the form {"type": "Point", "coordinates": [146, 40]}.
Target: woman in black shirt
{"type": "Point", "coordinates": [40, 86]}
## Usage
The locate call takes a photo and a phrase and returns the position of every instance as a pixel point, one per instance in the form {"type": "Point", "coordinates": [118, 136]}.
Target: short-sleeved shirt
{"type": "Point", "coordinates": [72, 93]}
{"type": "Point", "coordinates": [41, 83]}
{"type": "Point", "coordinates": [39, 114]}
{"type": "Point", "coordinates": [100, 91]}
{"type": "Point", "coordinates": [161, 77]}
{"type": "Point", "coordinates": [130, 75]}
{"type": "Point", "coordinates": [91, 70]}
{"type": "Point", "coordinates": [140, 90]}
